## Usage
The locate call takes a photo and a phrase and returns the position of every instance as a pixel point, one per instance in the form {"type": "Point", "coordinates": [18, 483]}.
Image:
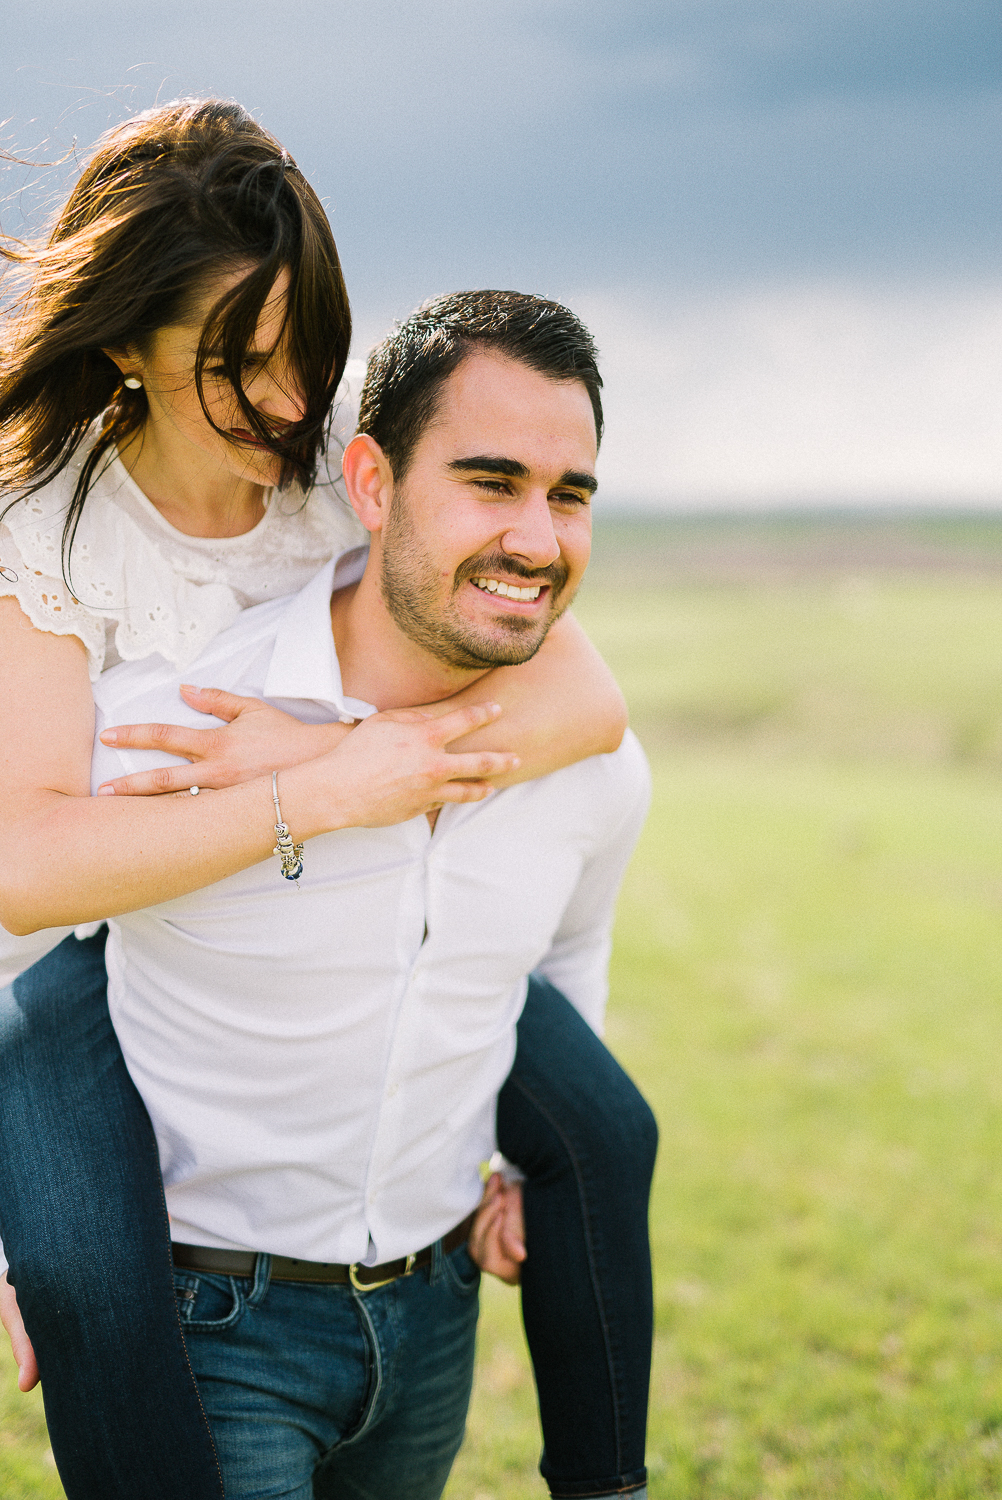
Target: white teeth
{"type": "Point", "coordinates": [506, 590]}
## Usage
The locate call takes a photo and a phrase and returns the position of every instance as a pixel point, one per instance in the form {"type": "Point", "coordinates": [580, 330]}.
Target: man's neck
{"type": "Point", "coordinates": [381, 665]}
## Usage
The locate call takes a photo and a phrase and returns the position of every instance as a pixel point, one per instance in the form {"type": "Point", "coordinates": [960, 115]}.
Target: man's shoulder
{"type": "Point", "coordinates": [627, 766]}
{"type": "Point", "coordinates": [596, 796]}
{"type": "Point", "coordinates": [622, 778]}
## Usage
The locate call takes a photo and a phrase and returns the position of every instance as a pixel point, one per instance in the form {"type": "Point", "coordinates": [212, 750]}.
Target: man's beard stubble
{"type": "Point", "coordinates": [409, 583]}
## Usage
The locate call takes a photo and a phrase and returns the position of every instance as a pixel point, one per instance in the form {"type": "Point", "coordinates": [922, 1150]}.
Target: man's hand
{"type": "Point", "coordinates": [20, 1343]}
{"type": "Point", "coordinates": [497, 1239]}
{"type": "Point", "coordinates": [255, 740]}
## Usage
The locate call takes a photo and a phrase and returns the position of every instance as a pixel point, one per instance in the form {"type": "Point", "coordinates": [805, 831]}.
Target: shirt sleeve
{"type": "Point", "coordinates": [49, 605]}
{"type": "Point", "coordinates": [577, 963]}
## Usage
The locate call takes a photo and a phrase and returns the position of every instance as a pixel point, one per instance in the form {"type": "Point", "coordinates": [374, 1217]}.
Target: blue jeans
{"type": "Point", "coordinates": [577, 1127]}
{"type": "Point", "coordinates": [324, 1391]}
{"type": "Point", "coordinates": [84, 1225]}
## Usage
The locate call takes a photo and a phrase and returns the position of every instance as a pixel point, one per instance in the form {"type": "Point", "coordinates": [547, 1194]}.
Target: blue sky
{"type": "Point", "coordinates": [780, 216]}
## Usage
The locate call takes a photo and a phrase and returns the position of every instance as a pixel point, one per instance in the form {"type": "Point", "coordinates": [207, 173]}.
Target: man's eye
{"type": "Point", "coordinates": [492, 486]}
{"type": "Point", "coordinates": [569, 497]}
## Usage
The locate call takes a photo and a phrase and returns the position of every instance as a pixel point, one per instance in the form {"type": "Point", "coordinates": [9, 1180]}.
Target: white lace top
{"type": "Point", "coordinates": [140, 586]}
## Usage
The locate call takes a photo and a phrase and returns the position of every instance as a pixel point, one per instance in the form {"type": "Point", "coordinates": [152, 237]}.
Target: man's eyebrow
{"type": "Point", "coordinates": [482, 464]}
{"type": "Point", "coordinates": [578, 480]}
{"type": "Point", "coordinates": [510, 468]}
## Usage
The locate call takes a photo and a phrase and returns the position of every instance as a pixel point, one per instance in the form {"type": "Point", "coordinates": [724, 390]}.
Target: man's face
{"type": "Point", "coordinates": [489, 532]}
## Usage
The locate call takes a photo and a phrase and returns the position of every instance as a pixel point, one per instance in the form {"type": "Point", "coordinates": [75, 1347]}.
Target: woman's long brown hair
{"type": "Point", "coordinates": [170, 200]}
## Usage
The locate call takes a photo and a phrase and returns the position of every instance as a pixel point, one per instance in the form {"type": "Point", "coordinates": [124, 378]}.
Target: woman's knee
{"type": "Point", "coordinates": [568, 1094]}
{"type": "Point", "coordinates": [549, 1134]}
{"type": "Point", "coordinates": [620, 1124]}
{"type": "Point", "coordinates": [54, 1285]}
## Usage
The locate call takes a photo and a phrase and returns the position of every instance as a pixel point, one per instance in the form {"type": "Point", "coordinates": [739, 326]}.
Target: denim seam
{"type": "Point", "coordinates": [180, 1326]}
{"type": "Point", "coordinates": [451, 1277]}
{"type": "Point", "coordinates": [372, 1339]}
{"type": "Point", "coordinates": [590, 1248]}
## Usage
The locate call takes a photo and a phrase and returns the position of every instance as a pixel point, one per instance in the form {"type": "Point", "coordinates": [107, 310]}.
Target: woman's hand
{"type": "Point", "coordinates": [103, 856]}
{"type": "Point", "coordinates": [392, 767]}
{"type": "Point", "coordinates": [255, 740]}
{"type": "Point", "coordinates": [20, 1343]}
{"type": "Point", "coordinates": [497, 1239]}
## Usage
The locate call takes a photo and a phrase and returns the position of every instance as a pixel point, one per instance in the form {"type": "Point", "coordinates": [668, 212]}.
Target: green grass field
{"type": "Point", "coordinates": [806, 984]}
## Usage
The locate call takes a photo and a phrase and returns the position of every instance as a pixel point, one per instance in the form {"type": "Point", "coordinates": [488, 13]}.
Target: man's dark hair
{"type": "Point", "coordinates": [407, 370]}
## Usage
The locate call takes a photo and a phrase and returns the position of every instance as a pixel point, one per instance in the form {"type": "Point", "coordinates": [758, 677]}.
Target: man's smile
{"type": "Point", "coordinates": [508, 590]}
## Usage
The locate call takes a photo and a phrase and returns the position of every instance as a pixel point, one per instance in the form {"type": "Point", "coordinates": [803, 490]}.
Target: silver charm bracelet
{"type": "Point", "coordinates": [292, 854]}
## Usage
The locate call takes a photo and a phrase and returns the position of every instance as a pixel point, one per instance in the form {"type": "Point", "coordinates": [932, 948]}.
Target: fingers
{"type": "Point", "coordinates": [172, 739]}
{"type": "Point", "coordinates": [487, 1244]}
{"type": "Point", "coordinates": [220, 704]}
{"type": "Point", "coordinates": [459, 791]}
{"type": "Point", "coordinates": [28, 1374]}
{"type": "Point", "coordinates": [463, 782]}
{"type": "Point", "coordinates": [151, 783]}
{"type": "Point", "coordinates": [452, 726]}
{"type": "Point", "coordinates": [478, 765]}
{"type": "Point", "coordinates": [513, 1223]}
{"type": "Point", "coordinates": [24, 1354]}
{"type": "Point", "coordinates": [486, 1226]}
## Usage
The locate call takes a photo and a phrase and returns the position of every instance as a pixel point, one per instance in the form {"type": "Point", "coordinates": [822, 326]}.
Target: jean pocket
{"type": "Point", "coordinates": [206, 1302]}
{"type": "Point", "coordinates": [461, 1272]}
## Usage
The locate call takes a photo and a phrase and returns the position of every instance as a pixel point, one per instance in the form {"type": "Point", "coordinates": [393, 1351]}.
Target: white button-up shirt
{"type": "Point", "coordinates": [321, 1065]}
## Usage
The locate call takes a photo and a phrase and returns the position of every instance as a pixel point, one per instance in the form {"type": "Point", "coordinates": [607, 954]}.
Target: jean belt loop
{"type": "Point", "coordinates": [262, 1280]}
{"type": "Point", "coordinates": [436, 1269]}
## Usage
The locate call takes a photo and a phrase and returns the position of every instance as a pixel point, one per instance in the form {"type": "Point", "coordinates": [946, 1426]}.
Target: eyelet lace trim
{"type": "Point", "coordinates": [142, 588]}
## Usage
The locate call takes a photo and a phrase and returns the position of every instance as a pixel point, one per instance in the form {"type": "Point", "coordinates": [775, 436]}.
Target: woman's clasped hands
{"type": "Point", "coordinates": [384, 769]}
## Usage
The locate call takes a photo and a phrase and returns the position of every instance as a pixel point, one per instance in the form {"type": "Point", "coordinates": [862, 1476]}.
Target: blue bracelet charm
{"type": "Point", "coordinates": [291, 854]}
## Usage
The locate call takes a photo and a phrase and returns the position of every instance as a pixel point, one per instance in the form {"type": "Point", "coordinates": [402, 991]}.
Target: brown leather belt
{"type": "Point", "coordinates": [286, 1268]}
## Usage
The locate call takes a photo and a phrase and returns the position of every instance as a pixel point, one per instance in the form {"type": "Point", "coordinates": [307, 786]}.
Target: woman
{"type": "Point", "coordinates": [164, 400]}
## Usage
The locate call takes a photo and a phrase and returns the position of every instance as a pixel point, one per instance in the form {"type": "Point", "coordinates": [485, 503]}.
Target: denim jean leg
{"type": "Point", "coordinates": [84, 1225]}
{"type": "Point", "coordinates": [576, 1125]}
{"type": "Point", "coordinates": [322, 1392]}
{"type": "Point", "coordinates": [424, 1326]}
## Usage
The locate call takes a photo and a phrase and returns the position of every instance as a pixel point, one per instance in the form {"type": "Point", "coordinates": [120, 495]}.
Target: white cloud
{"type": "Point", "coordinates": [808, 394]}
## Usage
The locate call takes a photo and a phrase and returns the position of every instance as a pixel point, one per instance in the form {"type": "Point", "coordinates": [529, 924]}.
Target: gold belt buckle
{"type": "Point", "coordinates": [370, 1286]}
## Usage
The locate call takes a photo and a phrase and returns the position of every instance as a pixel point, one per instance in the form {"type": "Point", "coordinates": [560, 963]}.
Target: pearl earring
{"type": "Point", "coordinates": [133, 382]}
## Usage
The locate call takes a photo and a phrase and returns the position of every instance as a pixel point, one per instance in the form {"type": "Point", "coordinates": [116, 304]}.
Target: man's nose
{"type": "Point", "coordinates": [533, 539]}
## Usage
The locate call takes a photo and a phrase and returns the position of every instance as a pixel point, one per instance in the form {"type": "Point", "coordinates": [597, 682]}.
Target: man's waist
{"type": "Point", "coordinates": [206, 1259]}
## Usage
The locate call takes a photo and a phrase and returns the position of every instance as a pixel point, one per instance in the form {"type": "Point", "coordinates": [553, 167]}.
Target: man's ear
{"type": "Point", "coordinates": [368, 480]}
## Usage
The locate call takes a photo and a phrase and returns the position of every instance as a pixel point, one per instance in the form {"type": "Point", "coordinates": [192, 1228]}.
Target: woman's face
{"type": "Point", "coordinates": [176, 422]}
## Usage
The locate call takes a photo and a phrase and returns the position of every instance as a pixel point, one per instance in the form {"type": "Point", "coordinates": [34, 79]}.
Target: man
{"type": "Point", "coordinates": [321, 1063]}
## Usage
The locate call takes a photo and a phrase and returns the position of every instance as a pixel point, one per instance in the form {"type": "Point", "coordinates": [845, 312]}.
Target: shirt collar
{"type": "Point", "coordinates": [304, 664]}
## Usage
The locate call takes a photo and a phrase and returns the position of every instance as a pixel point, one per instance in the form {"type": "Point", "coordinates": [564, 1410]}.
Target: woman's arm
{"type": "Point", "coordinates": [558, 708]}
{"type": "Point", "coordinates": [67, 857]}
